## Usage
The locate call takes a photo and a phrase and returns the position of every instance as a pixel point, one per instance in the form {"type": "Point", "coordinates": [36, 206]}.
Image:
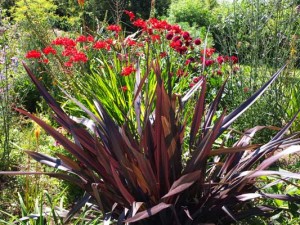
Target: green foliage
{"type": "Point", "coordinates": [194, 12]}
{"type": "Point", "coordinates": [48, 210]}
{"type": "Point", "coordinates": [260, 32]}
{"type": "Point", "coordinates": [263, 34]}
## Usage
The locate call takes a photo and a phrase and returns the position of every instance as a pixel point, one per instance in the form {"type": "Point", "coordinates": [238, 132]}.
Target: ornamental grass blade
{"type": "Point", "coordinates": [212, 110]}
{"type": "Point", "coordinates": [254, 174]}
{"type": "Point", "coordinates": [183, 183]}
{"type": "Point", "coordinates": [137, 99]}
{"type": "Point", "coordinates": [77, 207]}
{"type": "Point", "coordinates": [69, 162]}
{"type": "Point", "coordinates": [162, 109]}
{"type": "Point", "coordinates": [204, 148]}
{"type": "Point", "coordinates": [198, 114]}
{"type": "Point", "coordinates": [129, 198]}
{"type": "Point", "coordinates": [233, 150]}
{"type": "Point", "coordinates": [193, 90]}
{"type": "Point", "coordinates": [283, 197]}
{"type": "Point", "coordinates": [285, 128]}
{"type": "Point", "coordinates": [48, 160]}
{"type": "Point", "coordinates": [148, 212]}
{"type": "Point", "coordinates": [245, 105]}
{"type": "Point", "coordinates": [290, 150]}
{"type": "Point", "coordinates": [266, 211]}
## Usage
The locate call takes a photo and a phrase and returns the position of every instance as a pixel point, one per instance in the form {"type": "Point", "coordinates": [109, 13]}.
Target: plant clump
{"type": "Point", "coordinates": [148, 99]}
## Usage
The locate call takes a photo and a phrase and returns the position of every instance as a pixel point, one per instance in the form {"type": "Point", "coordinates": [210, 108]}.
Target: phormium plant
{"type": "Point", "coordinates": [143, 179]}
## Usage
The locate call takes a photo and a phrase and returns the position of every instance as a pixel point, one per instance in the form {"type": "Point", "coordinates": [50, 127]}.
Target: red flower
{"type": "Point", "coordinates": [163, 54]}
{"type": "Point", "coordinates": [188, 61]}
{"type": "Point", "coordinates": [124, 88]}
{"type": "Point", "coordinates": [49, 50]}
{"type": "Point", "coordinates": [176, 29]}
{"type": "Point", "coordinates": [130, 14]}
{"type": "Point", "coordinates": [126, 71]}
{"type": "Point", "coordinates": [130, 42]}
{"type": "Point", "coordinates": [140, 23]}
{"type": "Point", "coordinates": [69, 51]}
{"type": "Point", "coordinates": [109, 41]}
{"type": "Point", "coordinates": [46, 61]}
{"type": "Point", "coordinates": [155, 37]}
{"type": "Point", "coordinates": [68, 64]}
{"type": "Point", "coordinates": [207, 62]}
{"type": "Point", "coordinates": [196, 79]}
{"type": "Point", "coordinates": [115, 28]}
{"type": "Point", "coordinates": [197, 41]}
{"type": "Point", "coordinates": [149, 31]}
{"type": "Point", "coordinates": [67, 42]}
{"type": "Point", "coordinates": [169, 35]}
{"type": "Point", "coordinates": [220, 59]}
{"type": "Point", "coordinates": [182, 50]}
{"type": "Point", "coordinates": [90, 38]}
{"type": "Point", "coordinates": [208, 52]}
{"type": "Point", "coordinates": [81, 38]}
{"type": "Point", "coordinates": [101, 45]}
{"type": "Point", "coordinates": [234, 59]}
{"type": "Point", "coordinates": [162, 24]}
{"type": "Point", "coordinates": [33, 54]}
{"type": "Point", "coordinates": [186, 35]}
{"type": "Point", "coordinates": [176, 44]}
{"type": "Point", "coordinates": [79, 57]}
{"type": "Point", "coordinates": [176, 38]}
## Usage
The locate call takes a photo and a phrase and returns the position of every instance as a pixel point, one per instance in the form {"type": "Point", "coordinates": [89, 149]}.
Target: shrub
{"type": "Point", "coordinates": [195, 12]}
{"type": "Point", "coordinates": [141, 168]}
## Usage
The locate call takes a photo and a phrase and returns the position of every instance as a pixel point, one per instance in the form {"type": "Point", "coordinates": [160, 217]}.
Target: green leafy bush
{"type": "Point", "coordinates": [194, 12]}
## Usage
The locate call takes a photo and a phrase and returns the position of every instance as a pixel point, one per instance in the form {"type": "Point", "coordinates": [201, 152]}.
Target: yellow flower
{"type": "Point", "coordinates": [37, 133]}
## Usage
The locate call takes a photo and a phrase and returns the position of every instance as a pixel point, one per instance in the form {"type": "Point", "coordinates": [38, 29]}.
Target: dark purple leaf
{"type": "Point", "coordinates": [183, 183]}
{"type": "Point", "coordinates": [149, 212]}
{"type": "Point", "coordinates": [198, 113]}
{"type": "Point", "coordinates": [77, 207]}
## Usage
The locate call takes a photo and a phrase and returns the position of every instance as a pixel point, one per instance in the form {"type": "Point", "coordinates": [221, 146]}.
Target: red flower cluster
{"type": "Point", "coordinates": [81, 38]}
{"type": "Point", "coordinates": [102, 45]}
{"type": "Point", "coordinates": [129, 42]}
{"type": "Point", "coordinates": [115, 28]}
{"type": "Point", "coordinates": [208, 52]}
{"type": "Point", "coordinates": [33, 54]}
{"type": "Point", "coordinates": [49, 50]}
{"type": "Point", "coordinates": [84, 39]}
{"type": "Point", "coordinates": [130, 14]}
{"type": "Point", "coordinates": [78, 57]}
{"type": "Point", "coordinates": [140, 23]}
{"type": "Point", "coordinates": [126, 71]}
{"type": "Point", "coordinates": [64, 41]}
{"type": "Point", "coordinates": [165, 38]}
